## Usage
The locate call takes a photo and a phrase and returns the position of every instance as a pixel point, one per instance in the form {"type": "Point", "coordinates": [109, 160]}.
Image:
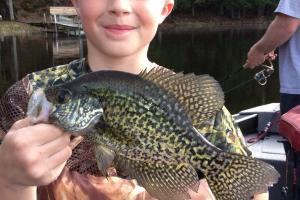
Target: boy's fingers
{"type": "Point", "coordinates": [46, 133]}
{"type": "Point", "coordinates": [74, 142]}
{"type": "Point", "coordinates": [59, 158]}
{"type": "Point", "coordinates": [55, 146]}
{"type": "Point", "coordinates": [203, 193]}
{"type": "Point", "coordinates": [21, 123]}
{"type": "Point", "coordinates": [52, 174]}
{"type": "Point", "coordinates": [38, 134]}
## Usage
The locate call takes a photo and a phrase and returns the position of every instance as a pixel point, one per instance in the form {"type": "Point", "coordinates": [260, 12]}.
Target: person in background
{"type": "Point", "coordinates": [283, 32]}
{"type": "Point", "coordinates": [40, 161]}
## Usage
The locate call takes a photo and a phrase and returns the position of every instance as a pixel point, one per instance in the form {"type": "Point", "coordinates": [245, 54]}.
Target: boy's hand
{"type": "Point", "coordinates": [32, 155]}
{"type": "Point", "coordinates": [203, 193]}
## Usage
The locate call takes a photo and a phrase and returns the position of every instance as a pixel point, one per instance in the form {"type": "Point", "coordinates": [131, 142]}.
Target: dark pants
{"type": "Point", "coordinates": [288, 101]}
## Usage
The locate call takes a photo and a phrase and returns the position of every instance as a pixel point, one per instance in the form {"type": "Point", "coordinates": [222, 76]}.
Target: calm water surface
{"type": "Point", "coordinates": [219, 53]}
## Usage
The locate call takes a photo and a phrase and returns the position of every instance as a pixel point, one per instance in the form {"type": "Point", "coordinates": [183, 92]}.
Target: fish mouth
{"type": "Point", "coordinates": [39, 108]}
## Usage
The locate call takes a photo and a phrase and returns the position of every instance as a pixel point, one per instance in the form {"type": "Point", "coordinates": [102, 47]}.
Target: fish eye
{"type": "Point", "coordinates": [63, 96]}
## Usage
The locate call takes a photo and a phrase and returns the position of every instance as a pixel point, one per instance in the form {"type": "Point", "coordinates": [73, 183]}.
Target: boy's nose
{"type": "Point", "coordinates": [119, 7]}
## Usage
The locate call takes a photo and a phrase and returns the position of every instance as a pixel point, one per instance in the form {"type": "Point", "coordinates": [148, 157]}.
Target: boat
{"type": "Point", "coordinates": [260, 128]}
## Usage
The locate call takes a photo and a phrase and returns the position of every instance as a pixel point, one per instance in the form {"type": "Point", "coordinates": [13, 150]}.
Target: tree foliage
{"type": "Point", "coordinates": [232, 8]}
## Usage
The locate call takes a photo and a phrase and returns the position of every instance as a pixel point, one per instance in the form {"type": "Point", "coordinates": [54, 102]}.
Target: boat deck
{"type": "Point", "coordinates": [272, 148]}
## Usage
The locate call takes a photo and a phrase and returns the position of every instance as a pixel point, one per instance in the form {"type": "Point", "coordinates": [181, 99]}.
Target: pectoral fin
{"type": "Point", "coordinates": [104, 157]}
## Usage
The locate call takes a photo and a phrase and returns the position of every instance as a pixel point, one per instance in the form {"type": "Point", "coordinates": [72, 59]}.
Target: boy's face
{"type": "Point", "coordinates": [121, 27]}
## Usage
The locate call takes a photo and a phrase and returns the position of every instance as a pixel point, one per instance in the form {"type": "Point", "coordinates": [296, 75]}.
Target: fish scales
{"type": "Point", "coordinates": [149, 125]}
{"type": "Point", "coordinates": [125, 121]}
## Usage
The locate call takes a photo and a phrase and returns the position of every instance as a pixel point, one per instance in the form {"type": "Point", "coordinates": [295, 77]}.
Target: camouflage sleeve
{"type": "Point", "coordinates": [224, 133]}
{"type": "Point", "coordinates": [13, 105]}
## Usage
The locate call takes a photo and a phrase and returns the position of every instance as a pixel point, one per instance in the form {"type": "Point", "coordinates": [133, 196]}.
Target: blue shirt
{"type": "Point", "coordinates": [289, 53]}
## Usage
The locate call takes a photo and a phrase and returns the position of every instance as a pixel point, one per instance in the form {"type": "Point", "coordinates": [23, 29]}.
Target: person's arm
{"type": "Point", "coordinates": [28, 193]}
{"type": "Point", "coordinates": [30, 156]}
{"type": "Point", "coordinates": [279, 31]}
{"type": "Point", "coordinates": [203, 193]}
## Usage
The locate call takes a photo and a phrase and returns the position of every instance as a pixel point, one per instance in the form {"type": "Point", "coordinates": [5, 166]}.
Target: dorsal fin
{"type": "Point", "coordinates": [201, 95]}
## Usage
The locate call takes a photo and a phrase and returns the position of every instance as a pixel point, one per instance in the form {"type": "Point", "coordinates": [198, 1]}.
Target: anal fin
{"type": "Point", "coordinates": [163, 180]}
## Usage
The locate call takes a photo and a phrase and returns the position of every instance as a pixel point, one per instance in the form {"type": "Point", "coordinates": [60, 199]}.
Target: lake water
{"type": "Point", "coordinates": [219, 53]}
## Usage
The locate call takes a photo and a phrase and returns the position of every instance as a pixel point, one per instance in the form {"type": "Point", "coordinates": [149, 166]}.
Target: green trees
{"type": "Point", "coordinates": [231, 8]}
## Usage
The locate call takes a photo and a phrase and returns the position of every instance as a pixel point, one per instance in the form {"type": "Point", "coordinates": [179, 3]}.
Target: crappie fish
{"type": "Point", "coordinates": [146, 124]}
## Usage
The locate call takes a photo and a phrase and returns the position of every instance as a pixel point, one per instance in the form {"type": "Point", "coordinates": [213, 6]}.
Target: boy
{"type": "Point", "coordinates": [118, 35]}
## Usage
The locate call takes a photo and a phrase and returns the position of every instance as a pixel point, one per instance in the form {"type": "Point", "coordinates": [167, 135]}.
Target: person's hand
{"type": "Point", "coordinates": [32, 155]}
{"type": "Point", "coordinates": [111, 187]}
{"type": "Point", "coordinates": [271, 56]}
{"type": "Point", "coordinates": [256, 57]}
{"type": "Point", "coordinates": [204, 192]}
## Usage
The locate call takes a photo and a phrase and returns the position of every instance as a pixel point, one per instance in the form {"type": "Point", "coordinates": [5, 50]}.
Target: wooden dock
{"type": "Point", "coordinates": [67, 11]}
{"type": "Point", "coordinates": [64, 19]}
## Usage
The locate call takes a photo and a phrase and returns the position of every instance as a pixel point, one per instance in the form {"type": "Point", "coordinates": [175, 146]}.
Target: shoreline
{"type": "Point", "coordinates": [177, 24]}
{"type": "Point", "coordinates": [17, 28]}
{"type": "Point", "coordinates": [211, 26]}
{"type": "Point", "coordinates": [185, 23]}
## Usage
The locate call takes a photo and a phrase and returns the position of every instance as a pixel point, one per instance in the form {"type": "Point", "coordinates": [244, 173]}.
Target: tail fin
{"type": "Point", "coordinates": [240, 177]}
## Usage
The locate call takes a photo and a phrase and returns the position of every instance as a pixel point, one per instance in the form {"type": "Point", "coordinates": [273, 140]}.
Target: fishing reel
{"type": "Point", "coordinates": [262, 76]}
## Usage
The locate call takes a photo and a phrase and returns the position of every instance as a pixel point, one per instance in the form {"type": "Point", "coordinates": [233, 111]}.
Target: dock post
{"type": "Point", "coordinates": [55, 24]}
{"type": "Point", "coordinates": [11, 10]}
{"type": "Point", "coordinates": [15, 57]}
{"type": "Point", "coordinates": [81, 47]}
{"type": "Point", "coordinates": [45, 21]}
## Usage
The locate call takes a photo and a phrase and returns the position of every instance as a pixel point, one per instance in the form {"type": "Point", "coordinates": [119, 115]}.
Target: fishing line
{"type": "Point", "coordinates": [234, 73]}
{"type": "Point", "coordinates": [239, 85]}
{"type": "Point", "coordinates": [231, 75]}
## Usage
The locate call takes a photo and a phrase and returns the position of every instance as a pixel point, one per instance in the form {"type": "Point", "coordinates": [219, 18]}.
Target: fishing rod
{"type": "Point", "coordinates": [260, 77]}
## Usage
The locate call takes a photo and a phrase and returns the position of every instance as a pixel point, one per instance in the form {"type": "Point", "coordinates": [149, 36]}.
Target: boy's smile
{"type": "Point", "coordinates": [117, 30]}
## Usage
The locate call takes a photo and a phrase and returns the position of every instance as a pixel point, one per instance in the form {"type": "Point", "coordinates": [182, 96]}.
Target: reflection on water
{"type": "Point", "coordinates": [66, 48]}
{"type": "Point", "coordinates": [24, 54]}
{"type": "Point", "coordinates": [218, 53]}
